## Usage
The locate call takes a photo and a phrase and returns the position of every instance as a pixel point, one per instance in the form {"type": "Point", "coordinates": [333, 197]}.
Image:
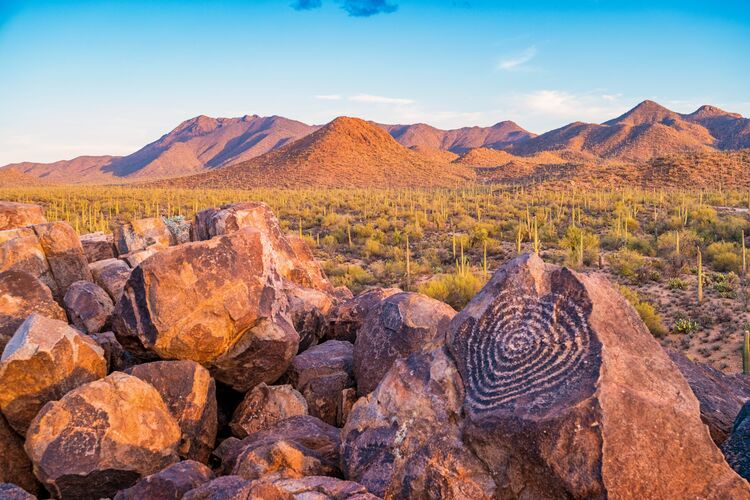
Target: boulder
{"type": "Point", "coordinates": [20, 250]}
{"type": "Point", "coordinates": [736, 447]}
{"type": "Point", "coordinates": [308, 309]}
{"type": "Point", "coordinates": [170, 483]}
{"type": "Point", "coordinates": [134, 259]}
{"type": "Point", "coordinates": [345, 319]}
{"type": "Point", "coordinates": [190, 394]}
{"type": "Point", "coordinates": [348, 398]}
{"type": "Point", "coordinates": [111, 275]}
{"type": "Point", "coordinates": [118, 359]}
{"type": "Point", "coordinates": [295, 447]}
{"type": "Point", "coordinates": [21, 294]}
{"type": "Point", "coordinates": [309, 433]}
{"type": "Point", "coordinates": [321, 374]}
{"type": "Point", "coordinates": [234, 488]}
{"type": "Point", "coordinates": [567, 394]}
{"type": "Point", "coordinates": [10, 491]}
{"type": "Point", "coordinates": [720, 395]}
{"type": "Point", "coordinates": [319, 487]}
{"type": "Point", "coordinates": [89, 307]}
{"type": "Point", "coordinates": [141, 234]}
{"type": "Point", "coordinates": [265, 405]}
{"type": "Point", "coordinates": [404, 437]}
{"type": "Point", "coordinates": [396, 327]}
{"type": "Point", "coordinates": [64, 252]}
{"type": "Point", "coordinates": [15, 466]}
{"type": "Point", "coordinates": [216, 302]}
{"type": "Point", "coordinates": [179, 230]}
{"type": "Point", "coordinates": [44, 360]}
{"type": "Point", "coordinates": [98, 246]}
{"type": "Point", "coordinates": [13, 215]}
{"type": "Point", "coordinates": [291, 255]}
{"type": "Point", "coordinates": [102, 437]}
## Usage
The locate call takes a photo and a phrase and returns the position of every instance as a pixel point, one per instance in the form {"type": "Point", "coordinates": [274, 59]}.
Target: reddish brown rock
{"type": "Point", "coordinates": [111, 275]}
{"type": "Point", "coordinates": [321, 374]}
{"type": "Point", "coordinates": [20, 250]}
{"type": "Point", "coordinates": [102, 437]}
{"type": "Point", "coordinates": [265, 405]}
{"type": "Point", "coordinates": [64, 252]}
{"type": "Point", "coordinates": [235, 488]}
{"type": "Point", "coordinates": [736, 447]}
{"type": "Point", "coordinates": [348, 399]}
{"type": "Point", "coordinates": [98, 246]}
{"type": "Point", "coordinates": [10, 491]}
{"type": "Point", "coordinates": [89, 307]}
{"type": "Point", "coordinates": [141, 234]}
{"type": "Point", "coordinates": [13, 215]}
{"type": "Point", "coordinates": [179, 230]}
{"type": "Point", "coordinates": [15, 466]}
{"type": "Point", "coordinates": [294, 447]}
{"type": "Point", "coordinates": [291, 256]}
{"type": "Point", "coordinates": [404, 437]}
{"type": "Point", "coordinates": [216, 302]}
{"type": "Point", "coordinates": [170, 483]}
{"type": "Point", "coordinates": [44, 360]}
{"type": "Point", "coordinates": [567, 394]}
{"type": "Point", "coordinates": [720, 395]}
{"type": "Point", "coordinates": [118, 359]}
{"type": "Point", "coordinates": [134, 259]}
{"type": "Point", "coordinates": [396, 327]}
{"type": "Point", "coordinates": [321, 487]}
{"type": "Point", "coordinates": [21, 295]}
{"type": "Point", "coordinates": [308, 309]}
{"type": "Point", "coordinates": [320, 439]}
{"type": "Point", "coordinates": [190, 394]}
{"type": "Point", "coordinates": [345, 319]}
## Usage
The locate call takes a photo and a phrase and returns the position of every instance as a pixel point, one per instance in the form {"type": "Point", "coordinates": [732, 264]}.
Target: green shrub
{"type": "Point", "coordinates": [455, 289]}
{"type": "Point", "coordinates": [650, 317]}
{"type": "Point", "coordinates": [677, 284]}
{"type": "Point", "coordinates": [685, 325]}
{"type": "Point", "coordinates": [627, 263]}
{"type": "Point", "coordinates": [723, 256]}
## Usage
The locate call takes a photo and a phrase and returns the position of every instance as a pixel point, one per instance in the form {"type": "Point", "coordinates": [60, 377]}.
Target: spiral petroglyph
{"type": "Point", "coordinates": [523, 346]}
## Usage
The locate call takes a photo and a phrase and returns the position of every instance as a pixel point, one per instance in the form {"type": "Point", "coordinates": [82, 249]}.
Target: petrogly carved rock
{"type": "Point", "coordinates": [14, 215]}
{"type": "Point", "coordinates": [396, 327]}
{"type": "Point", "coordinates": [265, 405]}
{"type": "Point", "coordinates": [42, 362]}
{"type": "Point", "coordinates": [102, 437]}
{"type": "Point", "coordinates": [218, 302]}
{"type": "Point", "coordinates": [568, 395]}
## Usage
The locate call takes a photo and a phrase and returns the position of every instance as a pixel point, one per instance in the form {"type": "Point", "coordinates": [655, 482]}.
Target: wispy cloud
{"type": "Point", "coordinates": [517, 61]}
{"type": "Point", "coordinates": [367, 8]}
{"type": "Point", "coordinates": [328, 97]}
{"type": "Point", "coordinates": [377, 99]}
{"type": "Point", "coordinates": [306, 4]}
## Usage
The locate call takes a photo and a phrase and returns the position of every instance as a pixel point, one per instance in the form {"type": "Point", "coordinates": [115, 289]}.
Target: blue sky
{"type": "Point", "coordinates": [92, 77]}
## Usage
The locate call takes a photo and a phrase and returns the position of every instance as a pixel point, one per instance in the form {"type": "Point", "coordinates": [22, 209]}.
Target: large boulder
{"type": "Point", "coordinates": [118, 359]}
{"type": "Point", "coordinates": [20, 250]}
{"type": "Point", "coordinates": [141, 234]}
{"type": "Point", "coordinates": [235, 488]}
{"type": "Point", "coordinates": [89, 307]}
{"type": "Point", "coordinates": [736, 447]}
{"type": "Point", "coordinates": [396, 327]}
{"type": "Point", "coordinates": [21, 294]}
{"type": "Point", "coordinates": [308, 309]}
{"type": "Point", "coordinates": [98, 246]}
{"type": "Point", "coordinates": [13, 215]}
{"type": "Point", "coordinates": [316, 487]}
{"type": "Point", "coordinates": [170, 483]}
{"type": "Point", "coordinates": [346, 319]}
{"type": "Point", "coordinates": [292, 256]}
{"type": "Point", "coordinates": [43, 361]}
{"type": "Point", "coordinates": [15, 466]}
{"type": "Point", "coordinates": [111, 275]}
{"type": "Point", "coordinates": [720, 395]}
{"type": "Point", "coordinates": [64, 252]}
{"type": "Point", "coordinates": [218, 302]}
{"type": "Point", "coordinates": [265, 405]}
{"type": "Point", "coordinates": [321, 374]}
{"type": "Point", "coordinates": [190, 394]}
{"type": "Point", "coordinates": [102, 437]}
{"type": "Point", "coordinates": [404, 438]}
{"type": "Point", "coordinates": [9, 491]}
{"type": "Point", "coordinates": [567, 394]}
{"type": "Point", "coordinates": [179, 230]}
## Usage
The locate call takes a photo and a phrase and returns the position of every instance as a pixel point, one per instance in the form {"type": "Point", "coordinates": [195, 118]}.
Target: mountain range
{"type": "Point", "coordinates": [280, 151]}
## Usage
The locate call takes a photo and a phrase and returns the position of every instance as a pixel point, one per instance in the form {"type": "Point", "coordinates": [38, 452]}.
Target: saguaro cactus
{"type": "Point", "coordinates": [700, 277]}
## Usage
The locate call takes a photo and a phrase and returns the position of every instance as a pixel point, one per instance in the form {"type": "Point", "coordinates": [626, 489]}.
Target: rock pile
{"type": "Point", "coordinates": [234, 369]}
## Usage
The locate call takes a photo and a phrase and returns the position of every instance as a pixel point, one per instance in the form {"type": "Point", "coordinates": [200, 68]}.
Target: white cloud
{"type": "Point", "coordinates": [329, 97]}
{"type": "Point", "coordinates": [562, 106]}
{"type": "Point", "coordinates": [517, 62]}
{"type": "Point", "coordinates": [377, 99]}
